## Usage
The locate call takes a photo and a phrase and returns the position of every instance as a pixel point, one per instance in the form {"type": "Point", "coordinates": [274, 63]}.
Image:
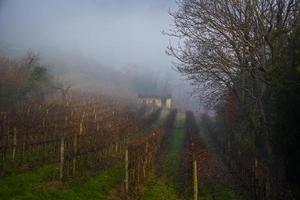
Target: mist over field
{"type": "Point", "coordinates": [112, 47]}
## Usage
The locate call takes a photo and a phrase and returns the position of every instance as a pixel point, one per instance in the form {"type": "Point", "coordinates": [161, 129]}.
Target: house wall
{"type": "Point", "coordinates": [158, 102]}
{"type": "Point", "coordinates": [168, 103]}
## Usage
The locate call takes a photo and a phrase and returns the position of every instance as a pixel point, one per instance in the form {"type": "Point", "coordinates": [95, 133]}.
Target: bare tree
{"type": "Point", "coordinates": [230, 44]}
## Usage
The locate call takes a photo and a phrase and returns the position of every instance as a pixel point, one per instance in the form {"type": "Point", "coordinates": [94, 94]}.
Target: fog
{"type": "Point", "coordinates": [109, 46]}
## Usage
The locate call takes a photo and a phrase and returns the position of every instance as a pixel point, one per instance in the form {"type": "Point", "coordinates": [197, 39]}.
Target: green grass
{"type": "Point", "coordinates": [180, 120]}
{"type": "Point", "coordinates": [166, 186]}
{"type": "Point", "coordinates": [38, 185]}
{"type": "Point", "coordinates": [20, 186]}
{"type": "Point", "coordinates": [31, 160]}
{"type": "Point", "coordinates": [172, 161]}
{"type": "Point", "coordinates": [160, 189]}
{"type": "Point", "coordinates": [162, 117]}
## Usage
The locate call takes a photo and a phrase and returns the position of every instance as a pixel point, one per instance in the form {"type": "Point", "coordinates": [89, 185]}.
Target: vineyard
{"type": "Point", "coordinates": [101, 148]}
{"type": "Point", "coordinates": [72, 134]}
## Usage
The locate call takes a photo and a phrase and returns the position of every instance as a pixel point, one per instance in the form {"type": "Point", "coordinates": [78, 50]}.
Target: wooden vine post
{"type": "Point", "coordinates": [23, 147]}
{"type": "Point", "coordinates": [75, 147]}
{"type": "Point", "coordinates": [98, 127]}
{"type": "Point", "coordinates": [195, 176]}
{"type": "Point", "coordinates": [116, 147]}
{"type": "Point", "coordinates": [126, 168]}
{"type": "Point", "coordinates": [62, 158]}
{"type": "Point", "coordinates": [81, 128]}
{"type": "Point", "coordinates": [14, 143]}
{"type": "Point", "coordinates": [145, 159]}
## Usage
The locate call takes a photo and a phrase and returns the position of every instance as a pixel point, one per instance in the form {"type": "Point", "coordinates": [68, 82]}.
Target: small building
{"type": "Point", "coordinates": [159, 101]}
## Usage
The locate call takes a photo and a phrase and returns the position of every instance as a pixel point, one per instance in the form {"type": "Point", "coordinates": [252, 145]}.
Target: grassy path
{"type": "Point", "coordinates": [165, 185]}
{"type": "Point", "coordinates": [162, 117]}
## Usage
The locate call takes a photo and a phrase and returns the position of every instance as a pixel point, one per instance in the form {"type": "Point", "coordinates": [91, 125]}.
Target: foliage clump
{"type": "Point", "coordinates": [23, 79]}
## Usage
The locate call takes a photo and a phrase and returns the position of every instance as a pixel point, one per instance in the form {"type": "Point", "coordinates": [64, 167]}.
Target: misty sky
{"type": "Point", "coordinates": [114, 32]}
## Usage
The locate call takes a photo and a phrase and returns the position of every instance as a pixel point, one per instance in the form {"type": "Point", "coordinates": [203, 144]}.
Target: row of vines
{"type": "Point", "coordinates": [80, 135]}
{"type": "Point", "coordinates": [195, 155]}
{"type": "Point", "coordinates": [143, 153]}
